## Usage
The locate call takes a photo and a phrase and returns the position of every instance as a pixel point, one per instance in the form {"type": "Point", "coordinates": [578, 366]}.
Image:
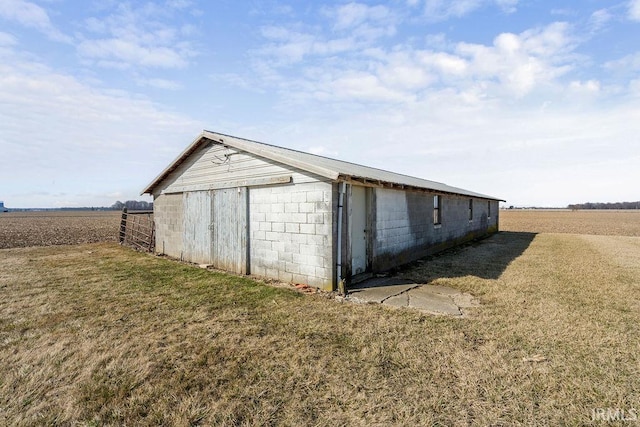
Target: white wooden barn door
{"type": "Point", "coordinates": [229, 230]}
{"type": "Point", "coordinates": [196, 221]}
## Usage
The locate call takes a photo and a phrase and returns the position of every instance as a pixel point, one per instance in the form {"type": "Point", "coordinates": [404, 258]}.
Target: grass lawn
{"type": "Point", "coordinates": [98, 334]}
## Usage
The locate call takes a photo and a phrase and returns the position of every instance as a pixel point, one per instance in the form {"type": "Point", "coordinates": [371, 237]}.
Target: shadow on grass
{"type": "Point", "coordinates": [487, 259]}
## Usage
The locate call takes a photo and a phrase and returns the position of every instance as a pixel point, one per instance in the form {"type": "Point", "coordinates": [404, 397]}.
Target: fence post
{"type": "Point", "coordinates": [123, 225]}
{"type": "Point", "coordinates": [153, 233]}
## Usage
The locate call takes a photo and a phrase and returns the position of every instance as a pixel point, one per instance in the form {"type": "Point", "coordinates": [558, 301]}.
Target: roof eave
{"type": "Point", "coordinates": [237, 143]}
{"type": "Point", "coordinates": [256, 148]}
{"type": "Point", "coordinates": [250, 147]}
{"type": "Point", "coordinates": [397, 185]}
{"type": "Point", "coordinates": [197, 142]}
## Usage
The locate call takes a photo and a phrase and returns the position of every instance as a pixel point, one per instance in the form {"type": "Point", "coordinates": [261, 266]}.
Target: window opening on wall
{"type": "Point", "coordinates": [488, 208]}
{"type": "Point", "coordinates": [437, 210]}
{"type": "Point", "coordinates": [470, 209]}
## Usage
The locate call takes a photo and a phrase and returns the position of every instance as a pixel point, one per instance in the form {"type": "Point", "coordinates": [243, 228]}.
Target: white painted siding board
{"type": "Point", "coordinates": [208, 166]}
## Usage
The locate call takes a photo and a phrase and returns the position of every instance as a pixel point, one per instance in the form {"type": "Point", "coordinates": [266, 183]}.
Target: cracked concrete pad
{"type": "Point", "coordinates": [401, 300]}
{"type": "Point", "coordinates": [397, 292]}
{"type": "Point", "coordinates": [465, 300]}
{"type": "Point", "coordinates": [379, 294]}
{"type": "Point", "coordinates": [425, 299]}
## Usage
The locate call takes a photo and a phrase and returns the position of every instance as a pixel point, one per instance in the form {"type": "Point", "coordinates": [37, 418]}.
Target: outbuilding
{"type": "Point", "coordinates": [254, 208]}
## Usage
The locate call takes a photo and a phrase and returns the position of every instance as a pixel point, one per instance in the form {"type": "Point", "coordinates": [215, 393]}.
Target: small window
{"type": "Point", "coordinates": [470, 209]}
{"type": "Point", "coordinates": [437, 210]}
{"type": "Point", "coordinates": [488, 208]}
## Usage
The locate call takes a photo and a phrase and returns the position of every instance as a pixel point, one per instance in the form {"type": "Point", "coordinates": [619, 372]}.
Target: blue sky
{"type": "Point", "coordinates": [536, 102]}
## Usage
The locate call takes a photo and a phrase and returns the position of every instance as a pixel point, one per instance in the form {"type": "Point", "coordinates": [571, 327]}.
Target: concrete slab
{"type": "Point", "coordinates": [465, 301]}
{"type": "Point", "coordinates": [425, 299]}
{"type": "Point", "coordinates": [379, 294]}
{"type": "Point", "coordinates": [401, 300]}
{"type": "Point", "coordinates": [398, 292]}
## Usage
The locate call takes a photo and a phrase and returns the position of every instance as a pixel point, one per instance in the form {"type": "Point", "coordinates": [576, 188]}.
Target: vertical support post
{"type": "Point", "coordinates": [341, 285]}
{"type": "Point", "coordinates": [247, 232]}
{"type": "Point", "coordinates": [123, 225]}
{"type": "Point", "coordinates": [152, 234]}
{"type": "Point", "coordinates": [135, 230]}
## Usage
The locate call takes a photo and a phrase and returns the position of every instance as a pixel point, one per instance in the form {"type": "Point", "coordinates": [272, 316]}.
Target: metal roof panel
{"type": "Point", "coordinates": [324, 166]}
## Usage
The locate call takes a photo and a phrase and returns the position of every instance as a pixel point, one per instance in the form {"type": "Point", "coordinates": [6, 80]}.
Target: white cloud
{"type": "Point", "coordinates": [564, 12]}
{"type": "Point", "coordinates": [634, 10]}
{"type": "Point", "coordinates": [364, 86]}
{"type": "Point", "coordinates": [514, 65]}
{"type": "Point", "coordinates": [127, 53]}
{"type": "Point", "coordinates": [352, 27]}
{"type": "Point", "coordinates": [521, 62]}
{"type": "Point", "coordinates": [439, 10]}
{"type": "Point", "coordinates": [405, 74]}
{"type": "Point", "coordinates": [32, 16]}
{"type": "Point", "coordinates": [551, 40]}
{"type": "Point", "coordinates": [445, 64]}
{"type": "Point", "coordinates": [160, 83]}
{"type": "Point", "coordinates": [599, 19]}
{"type": "Point", "coordinates": [352, 15]}
{"type": "Point", "coordinates": [7, 39]}
{"type": "Point", "coordinates": [74, 142]}
{"type": "Point", "coordinates": [507, 6]}
{"type": "Point", "coordinates": [634, 87]}
{"type": "Point", "coordinates": [179, 4]}
{"type": "Point", "coordinates": [287, 46]}
{"type": "Point", "coordinates": [138, 37]}
{"type": "Point", "coordinates": [624, 65]}
{"type": "Point", "coordinates": [589, 86]}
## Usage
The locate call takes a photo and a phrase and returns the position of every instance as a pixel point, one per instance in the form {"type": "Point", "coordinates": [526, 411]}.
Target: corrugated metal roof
{"type": "Point", "coordinates": [324, 166]}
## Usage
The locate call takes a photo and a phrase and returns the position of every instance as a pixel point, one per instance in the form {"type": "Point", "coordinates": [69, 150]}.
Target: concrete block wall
{"type": "Point", "coordinates": [404, 229]}
{"type": "Point", "coordinates": [168, 219]}
{"type": "Point", "coordinates": [290, 233]}
{"type": "Point", "coordinates": [403, 220]}
{"type": "Point", "coordinates": [455, 218]}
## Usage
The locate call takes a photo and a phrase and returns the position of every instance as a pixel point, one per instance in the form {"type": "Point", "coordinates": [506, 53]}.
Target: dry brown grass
{"type": "Point", "coordinates": [603, 222]}
{"type": "Point", "coordinates": [46, 228]}
{"type": "Point", "coordinates": [101, 335]}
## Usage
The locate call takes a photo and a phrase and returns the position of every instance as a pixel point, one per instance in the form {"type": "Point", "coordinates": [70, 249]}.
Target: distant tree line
{"type": "Point", "coordinates": [617, 205]}
{"type": "Point", "coordinates": [133, 205]}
